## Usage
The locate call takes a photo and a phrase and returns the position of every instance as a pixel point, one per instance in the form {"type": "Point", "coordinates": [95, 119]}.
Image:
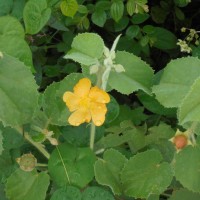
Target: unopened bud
{"type": "Point", "coordinates": [27, 162]}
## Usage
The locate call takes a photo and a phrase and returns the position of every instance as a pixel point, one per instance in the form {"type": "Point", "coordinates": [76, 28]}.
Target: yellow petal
{"type": "Point", "coordinates": [82, 88]}
{"type": "Point", "coordinates": [71, 100]}
{"type": "Point", "coordinates": [98, 112]}
{"type": "Point", "coordinates": [79, 116]}
{"type": "Point", "coordinates": [98, 95]}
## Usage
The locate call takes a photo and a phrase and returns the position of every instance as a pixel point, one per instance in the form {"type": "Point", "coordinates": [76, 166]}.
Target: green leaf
{"type": "Point", "coordinates": [36, 14]}
{"type": "Point", "coordinates": [144, 174]}
{"type": "Point", "coordinates": [53, 104]}
{"type": "Point", "coordinates": [99, 17]}
{"type": "Point", "coordinates": [107, 170]}
{"type": "Point", "coordinates": [184, 194]}
{"type": "Point", "coordinates": [150, 103]}
{"type": "Point", "coordinates": [72, 134]}
{"type": "Point", "coordinates": [132, 31]}
{"type": "Point", "coordinates": [18, 92]}
{"type": "Point", "coordinates": [69, 165]}
{"type": "Point", "coordinates": [87, 48]}
{"type": "Point", "coordinates": [140, 18]}
{"type": "Point", "coordinates": [70, 192]}
{"type": "Point", "coordinates": [117, 9]}
{"type": "Point", "coordinates": [163, 39]}
{"type": "Point", "coordinates": [97, 193]}
{"type": "Point", "coordinates": [113, 110]}
{"type": "Point", "coordinates": [69, 7]}
{"type": "Point", "coordinates": [25, 185]}
{"type": "Point", "coordinates": [11, 138]}
{"type": "Point", "coordinates": [179, 13]}
{"type": "Point", "coordinates": [17, 9]}
{"type": "Point", "coordinates": [6, 6]}
{"type": "Point", "coordinates": [189, 110]}
{"type": "Point", "coordinates": [6, 27]}
{"type": "Point", "coordinates": [162, 131]}
{"type": "Point", "coordinates": [189, 175]}
{"type": "Point", "coordinates": [176, 81]}
{"type": "Point", "coordinates": [6, 165]}
{"type": "Point", "coordinates": [16, 47]}
{"type": "Point", "coordinates": [137, 76]}
{"type": "Point", "coordinates": [12, 40]}
{"type": "Point", "coordinates": [1, 142]}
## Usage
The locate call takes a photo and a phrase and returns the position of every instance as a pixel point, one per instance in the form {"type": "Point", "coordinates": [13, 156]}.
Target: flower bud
{"type": "Point", "coordinates": [27, 162]}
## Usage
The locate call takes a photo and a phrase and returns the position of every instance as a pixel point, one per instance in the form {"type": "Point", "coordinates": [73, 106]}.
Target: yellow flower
{"type": "Point", "coordinates": [86, 103]}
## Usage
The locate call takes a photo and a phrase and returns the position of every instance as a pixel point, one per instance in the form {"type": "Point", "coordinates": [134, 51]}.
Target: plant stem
{"type": "Point", "coordinates": [38, 146]}
{"type": "Point", "coordinates": [92, 135]}
{"type": "Point", "coordinates": [191, 132]}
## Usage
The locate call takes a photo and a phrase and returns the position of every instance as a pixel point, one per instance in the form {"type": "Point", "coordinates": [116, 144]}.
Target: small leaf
{"type": "Point", "coordinates": [117, 10]}
{"type": "Point", "coordinates": [25, 185]}
{"type": "Point", "coordinates": [144, 175]}
{"type": "Point", "coordinates": [18, 92]}
{"type": "Point", "coordinates": [176, 81]}
{"type": "Point", "coordinates": [69, 192]}
{"type": "Point", "coordinates": [189, 110]}
{"type": "Point", "coordinates": [87, 48]}
{"type": "Point", "coordinates": [163, 39]}
{"type": "Point", "coordinates": [189, 175]}
{"type": "Point", "coordinates": [130, 6]}
{"type": "Point", "coordinates": [99, 18]}
{"type": "Point", "coordinates": [69, 7]}
{"type": "Point", "coordinates": [132, 31]}
{"type": "Point", "coordinates": [36, 14]}
{"type": "Point", "coordinates": [137, 76]}
{"type": "Point", "coordinates": [107, 170]}
{"type": "Point", "coordinates": [97, 193]}
{"type": "Point", "coordinates": [69, 165]}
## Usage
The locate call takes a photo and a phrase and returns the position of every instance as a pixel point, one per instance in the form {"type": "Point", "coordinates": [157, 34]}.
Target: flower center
{"type": "Point", "coordinates": [85, 102]}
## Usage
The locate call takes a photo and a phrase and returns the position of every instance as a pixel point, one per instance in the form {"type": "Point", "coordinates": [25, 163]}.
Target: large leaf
{"type": "Point", "coordinates": [53, 105]}
{"type": "Point", "coordinates": [107, 170]}
{"type": "Point", "coordinates": [144, 175]}
{"type": "Point", "coordinates": [97, 193]}
{"type": "Point", "coordinates": [72, 134]}
{"type": "Point", "coordinates": [69, 165]}
{"type": "Point", "coordinates": [6, 27]}
{"type": "Point", "coordinates": [190, 107]}
{"type": "Point", "coordinates": [18, 92]}
{"type": "Point", "coordinates": [70, 192]}
{"type": "Point", "coordinates": [86, 48]}
{"type": "Point", "coordinates": [25, 185]}
{"type": "Point", "coordinates": [137, 76]}
{"type": "Point", "coordinates": [16, 47]}
{"type": "Point", "coordinates": [176, 80]}
{"type": "Point", "coordinates": [184, 194]}
{"type": "Point", "coordinates": [36, 14]}
{"type": "Point", "coordinates": [12, 40]}
{"type": "Point", "coordinates": [187, 168]}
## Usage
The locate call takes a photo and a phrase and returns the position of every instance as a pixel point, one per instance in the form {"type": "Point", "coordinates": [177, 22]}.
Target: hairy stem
{"type": "Point", "coordinates": [92, 135]}
{"type": "Point", "coordinates": [38, 146]}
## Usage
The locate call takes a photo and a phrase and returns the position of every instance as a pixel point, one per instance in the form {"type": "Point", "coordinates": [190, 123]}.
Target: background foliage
{"type": "Point", "coordinates": [46, 47]}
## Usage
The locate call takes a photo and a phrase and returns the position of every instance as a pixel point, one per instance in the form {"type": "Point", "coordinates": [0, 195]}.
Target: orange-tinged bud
{"type": "Point", "coordinates": [180, 141]}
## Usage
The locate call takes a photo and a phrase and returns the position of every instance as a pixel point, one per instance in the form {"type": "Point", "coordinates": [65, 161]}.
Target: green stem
{"type": "Point", "coordinates": [38, 146]}
{"type": "Point", "coordinates": [190, 132]}
{"type": "Point", "coordinates": [92, 135]}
